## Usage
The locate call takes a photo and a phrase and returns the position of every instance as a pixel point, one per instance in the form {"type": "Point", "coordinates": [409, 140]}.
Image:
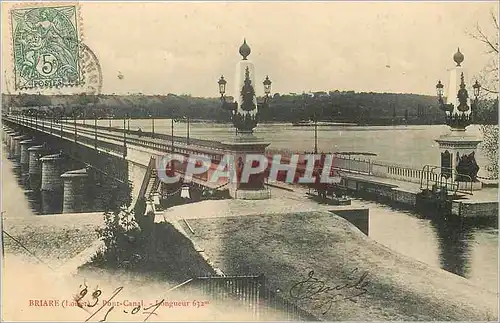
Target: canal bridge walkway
{"type": "Point", "coordinates": [398, 183]}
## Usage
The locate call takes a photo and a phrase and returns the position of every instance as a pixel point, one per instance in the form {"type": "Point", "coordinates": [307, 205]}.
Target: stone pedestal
{"type": "Point", "coordinates": [35, 166]}
{"type": "Point", "coordinates": [75, 189]}
{"type": "Point", "coordinates": [11, 139]}
{"type": "Point", "coordinates": [8, 142]}
{"type": "Point", "coordinates": [25, 144]}
{"type": "Point", "coordinates": [458, 147]}
{"type": "Point", "coordinates": [51, 202]}
{"type": "Point", "coordinates": [16, 146]}
{"type": "Point", "coordinates": [242, 145]}
{"type": "Point", "coordinates": [5, 134]}
{"type": "Point", "coordinates": [52, 168]}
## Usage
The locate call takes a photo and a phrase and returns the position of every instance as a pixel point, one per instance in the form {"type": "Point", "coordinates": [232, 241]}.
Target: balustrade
{"type": "Point", "coordinates": [211, 149]}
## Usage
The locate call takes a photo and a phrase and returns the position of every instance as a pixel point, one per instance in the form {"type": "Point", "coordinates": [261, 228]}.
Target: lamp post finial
{"type": "Point", "coordinates": [458, 57]}
{"type": "Point", "coordinates": [245, 49]}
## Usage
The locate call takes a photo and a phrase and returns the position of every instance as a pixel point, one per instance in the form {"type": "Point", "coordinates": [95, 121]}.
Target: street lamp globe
{"type": "Point", "coordinates": [222, 85]}
{"type": "Point", "coordinates": [477, 88]}
{"type": "Point", "coordinates": [267, 85]}
{"type": "Point", "coordinates": [439, 89]}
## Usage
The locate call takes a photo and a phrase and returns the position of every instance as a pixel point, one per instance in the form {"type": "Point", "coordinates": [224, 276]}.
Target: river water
{"type": "Point", "coordinates": [467, 248]}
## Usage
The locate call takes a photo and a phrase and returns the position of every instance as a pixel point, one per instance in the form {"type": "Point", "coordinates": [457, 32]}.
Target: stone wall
{"type": "Point", "coordinates": [474, 209]}
{"type": "Point", "coordinates": [405, 197]}
{"type": "Point", "coordinates": [360, 218]}
{"type": "Point", "coordinates": [136, 175]}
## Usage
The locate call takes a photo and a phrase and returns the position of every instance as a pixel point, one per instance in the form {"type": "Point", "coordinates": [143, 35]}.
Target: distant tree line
{"type": "Point", "coordinates": [334, 106]}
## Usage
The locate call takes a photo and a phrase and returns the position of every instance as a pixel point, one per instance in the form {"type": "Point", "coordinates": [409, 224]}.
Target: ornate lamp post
{"type": "Point", "coordinates": [124, 137]}
{"type": "Point", "coordinates": [42, 120]}
{"type": "Point", "coordinates": [458, 107]}
{"type": "Point", "coordinates": [172, 135]}
{"type": "Point", "coordinates": [61, 124]}
{"type": "Point", "coordinates": [95, 131]}
{"type": "Point", "coordinates": [188, 117]}
{"type": "Point", "coordinates": [74, 124]}
{"type": "Point", "coordinates": [245, 109]}
{"type": "Point", "coordinates": [152, 125]}
{"type": "Point", "coordinates": [458, 146]}
{"type": "Point", "coordinates": [245, 114]}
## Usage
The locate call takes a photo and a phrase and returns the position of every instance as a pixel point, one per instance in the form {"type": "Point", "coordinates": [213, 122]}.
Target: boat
{"type": "Point", "coordinates": [343, 200]}
{"type": "Point", "coordinates": [303, 123]}
{"type": "Point", "coordinates": [321, 124]}
{"type": "Point", "coordinates": [330, 199]}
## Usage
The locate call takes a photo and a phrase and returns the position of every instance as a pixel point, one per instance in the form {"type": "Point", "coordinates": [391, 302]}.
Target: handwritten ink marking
{"type": "Point", "coordinates": [105, 316]}
{"type": "Point", "coordinates": [95, 295]}
{"type": "Point", "coordinates": [78, 298]}
{"type": "Point", "coordinates": [82, 293]}
{"type": "Point", "coordinates": [153, 311]}
{"type": "Point", "coordinates": [312, 289]}
{"type": "Point", "coordinates": [116, 292]}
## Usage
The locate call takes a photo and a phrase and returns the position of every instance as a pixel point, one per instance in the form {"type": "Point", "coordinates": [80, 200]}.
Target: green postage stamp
{"type": "Point", "coordinates": [45, 42]}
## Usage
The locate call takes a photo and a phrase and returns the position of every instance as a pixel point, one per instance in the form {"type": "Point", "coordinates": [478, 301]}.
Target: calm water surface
{"type": "Point", "coordinates": [466, 248]}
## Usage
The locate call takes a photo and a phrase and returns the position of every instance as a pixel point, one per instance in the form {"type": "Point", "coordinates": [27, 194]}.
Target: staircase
{"type": "Point", "coordinates": [149, 187]}
{"type": "Point", "coordinates": [153, 184]}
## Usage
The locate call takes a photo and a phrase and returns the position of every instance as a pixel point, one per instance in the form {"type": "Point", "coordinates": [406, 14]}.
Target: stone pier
{"type": "Point", "coordinates": [52, 184]}
{"type": "Point", "coordinates": [16, 146]}
{"type": "Point", "coordinates": [25, 157]}
{"type": "Point", "coordinates": [75, 189]}
{"type": "Point", "coordinates": [52, 168]}
{"type": "Point", "coordinates": [8, 141]}
{"type": "Point", "coordinates": [35, 167]}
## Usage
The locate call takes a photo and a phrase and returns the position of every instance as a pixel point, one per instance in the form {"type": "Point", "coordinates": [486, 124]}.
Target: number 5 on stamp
{"type": "Point", "coordinates": [46, 46]}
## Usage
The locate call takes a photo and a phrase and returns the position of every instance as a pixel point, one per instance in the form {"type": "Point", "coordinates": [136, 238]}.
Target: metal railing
{"type": "Point", "coordinates": [253, 293]}
{"type": "Point", "coordinates": [215, 150]}
{"type": "Point", "coordinates": [445, 178]}
{"type": "Point", "coordinates": [68, 135]}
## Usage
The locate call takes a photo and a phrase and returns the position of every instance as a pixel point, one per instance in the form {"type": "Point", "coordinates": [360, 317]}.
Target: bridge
{"type": "Point", "coordinates": [130, 156]}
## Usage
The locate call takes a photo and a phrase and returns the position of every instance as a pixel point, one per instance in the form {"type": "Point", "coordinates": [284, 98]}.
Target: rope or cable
{"type": "Point", "coordinates": [29, 251]}
{"type": "Point", "coordinates": [173, 193]}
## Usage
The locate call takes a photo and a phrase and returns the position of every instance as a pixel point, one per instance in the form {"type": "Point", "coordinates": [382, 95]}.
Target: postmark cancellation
{"type": "Point", "coordinates": [46, 46]}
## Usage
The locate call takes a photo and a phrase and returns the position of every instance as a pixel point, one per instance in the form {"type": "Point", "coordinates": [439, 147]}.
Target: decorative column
{"type": "Point", "coordinates": [245, 117]}
{"type": "Point", "coordinates": [75, 188]}
{"type": "Point", "coordinates": [458, 147]}
{"type": "Point", "coordinates": [52, 183]}
{"type": "Point", "coordinates": [35, 167]}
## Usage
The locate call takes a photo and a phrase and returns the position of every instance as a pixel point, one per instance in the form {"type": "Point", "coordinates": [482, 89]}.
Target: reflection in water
{"type": "Point", "coordinates": [454, 236]}
{"type": "Point", "coordinates": [464, 246]}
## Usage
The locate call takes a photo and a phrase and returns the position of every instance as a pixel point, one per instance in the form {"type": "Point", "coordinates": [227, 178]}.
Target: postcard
{"type": "Point", "coordinates": [249, 161]}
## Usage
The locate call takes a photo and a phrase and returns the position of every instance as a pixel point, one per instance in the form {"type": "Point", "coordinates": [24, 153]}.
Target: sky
{"type": "Point", "coordinates": [183, 48]}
